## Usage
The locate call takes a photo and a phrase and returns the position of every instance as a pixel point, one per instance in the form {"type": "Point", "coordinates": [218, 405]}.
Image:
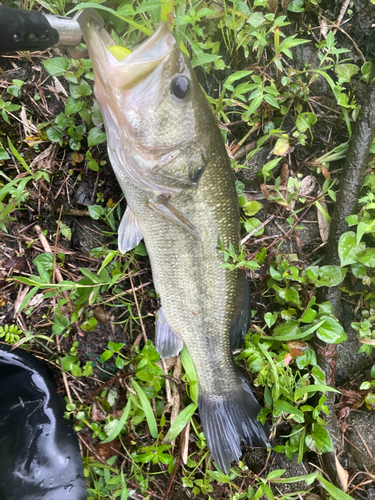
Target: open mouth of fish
{"type": "Point", "coordinates": [139, 64]}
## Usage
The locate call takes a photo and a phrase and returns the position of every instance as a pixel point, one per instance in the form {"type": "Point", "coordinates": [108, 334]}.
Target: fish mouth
{"type": "Point", "coordinates": [125, 74]}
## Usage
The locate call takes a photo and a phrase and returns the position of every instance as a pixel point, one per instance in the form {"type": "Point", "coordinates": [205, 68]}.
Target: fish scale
{"type": "Point", "coordinates": [170, 160]}
{"type": "Point", "coordinates": [198, 297]}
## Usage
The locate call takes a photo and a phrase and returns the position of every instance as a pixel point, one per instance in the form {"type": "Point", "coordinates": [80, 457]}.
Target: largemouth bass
{"type": "Point", "coordinates": [170, 160]}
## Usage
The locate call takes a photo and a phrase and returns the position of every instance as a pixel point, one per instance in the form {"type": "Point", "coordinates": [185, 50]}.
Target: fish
{"type": "Point", "coordinates": [170, 160]}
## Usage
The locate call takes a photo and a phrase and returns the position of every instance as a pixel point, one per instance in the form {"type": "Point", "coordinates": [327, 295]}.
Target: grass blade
{"type": "Point", "coordinates": [313, 388]}
{"type": "Point", "coordinates": [120, 424]}
{"type": "Point", "coordinates": [180, 423]}
{"type": "Point", "coordinates": [19, 157]}
{"type": "Point", "coordinates": [150, 417]}
{"type": "Point", "coordinates": [191, 374]}
{"type": "Point", "coordinates": [332, 490]}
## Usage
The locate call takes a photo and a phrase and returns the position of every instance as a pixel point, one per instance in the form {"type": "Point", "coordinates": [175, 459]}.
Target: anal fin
{"type": "Point", "coordinates": [168, 210]}
{"type": "Point", "coordinates": [168, 343]}
{"type": "Point", "coordinates": [129, 231]}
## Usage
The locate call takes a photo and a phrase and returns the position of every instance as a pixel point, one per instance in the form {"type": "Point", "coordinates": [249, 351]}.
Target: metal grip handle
{"type": "Point", "coordinates": [25, 30]}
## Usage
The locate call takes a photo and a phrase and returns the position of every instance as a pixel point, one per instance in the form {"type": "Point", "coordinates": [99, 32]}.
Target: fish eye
{"type": "Point", "coordinates": [180, 87]}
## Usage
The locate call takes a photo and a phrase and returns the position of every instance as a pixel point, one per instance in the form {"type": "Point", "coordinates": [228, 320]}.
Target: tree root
{"type": "Point", "coordinates": [351, 182]}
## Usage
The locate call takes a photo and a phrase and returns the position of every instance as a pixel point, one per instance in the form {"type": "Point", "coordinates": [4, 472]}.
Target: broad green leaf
{"type": "Point", "coordinates": [305, 121]}
{"type": "Point", "coordinates": [148, 6]}
{"type": "Point", "coordinates": [96, 211]}
{"type": "Point", "coordinates": [308, 315]}
{"type": "Point", "coordinates": [53, 134]}
{"type": "Point", "coordinates": [89, 325]}
{"type": "Point", "coordinates": [252, 207]}
{"type": "Point", "coordinates": [56, 66]}
{"type": "Point", "coordinates": [219, 476]}
{"type": "Point", "coordinates": [287, 331]}
{"type": "Point", "coordinates": [73, 105]}
{"type": "Point", "coordinates": [96, 114]}
{"type": "Point", "coordinates": [368, 259]}
{"type": "Point", "coordinates": [3, 154]}
{"type": "Point", "coordinates": [348, 248]}
{"type": "Point", "coordinates": [68, 362]}
{"type": "Point", "coordinates": [296, 6]}
{"type": "Point", "coordinates": [307, 358]}
{"type": "Point", "coordinates": [46, 259]}
{"type": "Point", "coordinates": [366, 70]}
{"type": "Point", "coordinates": [282, 146]}
{"type": "Point", "coordinates": [331, 331]}
{"type": "Point", "coordinates": [180, 423]}
{"type": "Point", "coordinates": [106, 356]}
{"type": "Point", "coordinates": [80, 90]}
{"type": "Point", "coordinates": [331, 275]}
{"type": "Point", "coordinates": [251, 224]}
{"type": "Point", "coordinates": [120, 424]}
{"type": "Point", "coordinates": [96, 136]}
{"type": "Point", "coordinates": [346, 71]}
{"type": "Point", "coordinates": [150, 417]}
{"type": "Point", "coordinates": [60, 323]}
{"type": "Point", "coordinates": [319, 440]}
{"type": "Point", "coordinates": [256, 19]}
{"type": "Point", "coordinates": [140, 249]}
{"type": "Point", "coordinates": [270, 319]}
{"type": "Point", "coordinates": [291, 295]}
{"type": "Point", "coordinates": [271, 100]}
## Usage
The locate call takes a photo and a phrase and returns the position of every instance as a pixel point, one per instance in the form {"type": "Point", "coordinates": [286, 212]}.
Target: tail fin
{"type": "Point", "coordinates": [227, 419]}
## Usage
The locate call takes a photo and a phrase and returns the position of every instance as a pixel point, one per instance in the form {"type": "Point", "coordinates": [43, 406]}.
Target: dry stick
{"type": "Point", "coordinates": [55, 248]}
{"type": "Point", "coordinates": [176, 467]}
{"type": "Point", "coordinates": [167, 386]}
{"type": "Point", "coordinates": [176, 393]}
{"type": "Point", "coordinates": [342, 13]}
{"type": "Point", "coordinates": [353, 42]}
{"type": "Point", "coordinates": [138, 311]}
{"type": "Point", "coordinates": [248, 236]}
{"type": "Point", "coordinates": [59, 278]}
{"type": "Point", "coordinates": [351, 181]}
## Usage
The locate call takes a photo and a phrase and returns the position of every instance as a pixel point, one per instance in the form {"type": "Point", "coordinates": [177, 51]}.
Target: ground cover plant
{"type": "Point", "coordinates": [286, 82]}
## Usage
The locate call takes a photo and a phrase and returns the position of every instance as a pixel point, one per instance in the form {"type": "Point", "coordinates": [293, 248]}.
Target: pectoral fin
{"type": "Point", "coordinates": [168, 342]}
{"type": "Point", "coordinates": [174, 214]}
{"type": "Point", "coordinates": [129, 231]}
